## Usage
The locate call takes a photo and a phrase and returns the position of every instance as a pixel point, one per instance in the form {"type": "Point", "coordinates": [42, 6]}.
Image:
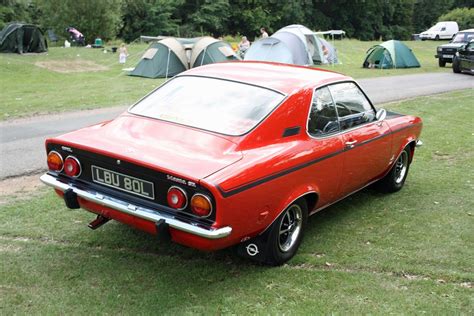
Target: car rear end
{"type": "Point", "coordinates": [133, 193]}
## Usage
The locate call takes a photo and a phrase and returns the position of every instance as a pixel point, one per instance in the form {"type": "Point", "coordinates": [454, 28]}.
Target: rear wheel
{"type": "Point", "coordinates": [286, 233]}
{"type": "Point", "coordinates": [441, 62]}
{"type": "Point", "coordinates": [396, 177]}
{"type": "Point", "coordinates": [456, 66]}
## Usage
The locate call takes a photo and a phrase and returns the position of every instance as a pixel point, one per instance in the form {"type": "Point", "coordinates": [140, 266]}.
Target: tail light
{"type": "Point", "coordinates": [72, 166]}
{"type": "Point", "coordinates": [55, 161]}
{"type": "Point", "coordinates": [201, 205]}
{"type": "Point", "coordinates": [177, 198]}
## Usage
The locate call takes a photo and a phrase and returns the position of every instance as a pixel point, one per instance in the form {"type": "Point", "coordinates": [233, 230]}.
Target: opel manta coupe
{"type": "Point", "coordinates": [234, 154]}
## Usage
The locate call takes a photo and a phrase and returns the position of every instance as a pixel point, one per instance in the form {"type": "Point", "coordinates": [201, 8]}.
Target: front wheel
{"type": "Point", "coordinates": [437, 38]}
{"type": "Point", "coordinates": [456, 66]}
{"type": "Point", "coordinates": [286, 233]}
{"type": "Point", "coordinates": [396, 177]}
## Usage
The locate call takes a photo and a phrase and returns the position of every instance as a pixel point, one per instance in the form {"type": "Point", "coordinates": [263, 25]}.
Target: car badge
{"type": "Point", "coordinates": [252, 250]}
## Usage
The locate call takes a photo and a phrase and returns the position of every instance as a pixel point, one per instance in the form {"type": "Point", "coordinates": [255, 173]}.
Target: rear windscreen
{"type": "Point", "coordinates": [216, 105]}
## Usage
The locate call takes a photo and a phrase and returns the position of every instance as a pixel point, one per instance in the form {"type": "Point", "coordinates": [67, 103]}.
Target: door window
{"type": "Point", "coordinates": [352, 106]}
{"type": "Point", "coordinates": [322, 116]}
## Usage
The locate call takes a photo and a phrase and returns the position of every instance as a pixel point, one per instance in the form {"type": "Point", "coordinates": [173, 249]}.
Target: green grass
{"type": "Point", "coordinates": [404, 253]}
{"type": "Point", "coordinates": [30, 90]}
{"type": "Point", "coordinates": [351, 54]}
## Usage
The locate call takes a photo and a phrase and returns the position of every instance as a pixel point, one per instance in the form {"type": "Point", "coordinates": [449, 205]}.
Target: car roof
{"type": "Point", "coordinates": [280, 77]}
{"type": "Point", "coordinates": [466, 31]}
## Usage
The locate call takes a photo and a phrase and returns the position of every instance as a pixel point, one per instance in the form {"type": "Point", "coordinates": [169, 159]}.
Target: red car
{"type": "Point", "coordinates": [234, 154]}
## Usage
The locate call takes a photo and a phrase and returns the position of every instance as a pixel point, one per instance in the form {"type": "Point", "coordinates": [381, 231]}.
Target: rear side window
{"type": "Point", "coordinates": [322, 116]}
{"type": "Point", "coordinates": [352, 106]}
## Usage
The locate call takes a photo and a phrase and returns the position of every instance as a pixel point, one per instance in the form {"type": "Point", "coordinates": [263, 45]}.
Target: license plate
{"type": "Point", "coordinates": [448, 56]}
{"type": "Point", "coordinates": [123, 182]}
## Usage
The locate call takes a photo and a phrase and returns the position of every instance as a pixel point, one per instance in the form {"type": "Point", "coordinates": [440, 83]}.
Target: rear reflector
{"type": "Point", "coordinates": [177, 198]}
{"type": "Point", "coordinates": [72, 166]}
{"type": "Point", "coordinates": [201, 205]}
{"type": "Point", "coordinates": [55, 161]}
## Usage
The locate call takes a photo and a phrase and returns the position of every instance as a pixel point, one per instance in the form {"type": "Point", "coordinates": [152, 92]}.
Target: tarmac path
{"type": "Point", "coordinates": [22, 141]}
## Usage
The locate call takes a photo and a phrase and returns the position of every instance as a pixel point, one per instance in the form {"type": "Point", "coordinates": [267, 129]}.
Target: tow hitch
{"type": "Point", "coordinates": [99, 221]}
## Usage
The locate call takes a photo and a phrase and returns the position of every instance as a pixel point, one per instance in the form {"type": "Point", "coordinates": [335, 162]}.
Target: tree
{"type": "Point", "coordinates": [148, 17]}
{"type": "Point", "coordinates": [92, 18]}
{"type": "Point", "coordinates": [426, 13]}
{"type": "Point", "coordinates": [16, 10]}
{"type": "Point", "coordinates": [212, 16]}
{"type": "Point", "coordinates": [464, 17]}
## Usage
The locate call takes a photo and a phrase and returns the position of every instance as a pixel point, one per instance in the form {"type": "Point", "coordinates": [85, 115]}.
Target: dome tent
{"type": "Point", "coordinates": [311, 43]}
{"type": "Point", "coordinates": [162, 59]}
{"type": "Point", "coordinates": [270, 49]}
{"type": "Point", "coordinates": [170, 56]}
{"type": "Point", "coordinates": [208, 50]}
{"type": "Point", "coordinates": [22, 38]}
{"type": "Point", "coordinates": [293, 44]}
{"type": "Point", "coordinates": [390, 54]}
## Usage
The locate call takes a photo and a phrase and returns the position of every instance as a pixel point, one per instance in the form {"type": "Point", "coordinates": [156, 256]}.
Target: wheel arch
{"type": "Point", "coordinates": [309, 194]}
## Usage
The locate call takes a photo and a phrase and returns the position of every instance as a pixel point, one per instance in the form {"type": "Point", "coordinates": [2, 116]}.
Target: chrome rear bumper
{"type": "Point", "coordinates": [138, 211]}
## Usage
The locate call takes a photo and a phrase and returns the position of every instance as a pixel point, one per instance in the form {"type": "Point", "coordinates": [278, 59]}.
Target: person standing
{"type": "Point", "coordinates": [123, 53]}
{"type": "Point", "coordinates": [243, 46]}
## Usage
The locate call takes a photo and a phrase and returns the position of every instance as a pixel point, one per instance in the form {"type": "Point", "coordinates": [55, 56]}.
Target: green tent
{"type": "Point", "coordinates": [171, 56]}
{"type": "Point", "coordinates": [162, 59]}
{"type": "Point", "coordinates": [22, 38]}
{"type": "Point", "coordinates": [390, 54]}
{"type": "Point", "coordinates": [208, 50]}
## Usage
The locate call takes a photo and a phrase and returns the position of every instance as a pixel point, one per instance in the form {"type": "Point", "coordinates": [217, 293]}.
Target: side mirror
{"type": "Point", "coordinates": [381, 114]}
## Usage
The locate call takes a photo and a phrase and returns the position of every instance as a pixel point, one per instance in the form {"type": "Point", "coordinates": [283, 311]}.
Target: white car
{"type": "Point", "coordinates": [441, 30]}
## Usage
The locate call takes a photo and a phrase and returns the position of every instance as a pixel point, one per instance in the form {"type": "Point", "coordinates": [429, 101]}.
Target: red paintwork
{"type": "Point", "coordinates": [223, 164]}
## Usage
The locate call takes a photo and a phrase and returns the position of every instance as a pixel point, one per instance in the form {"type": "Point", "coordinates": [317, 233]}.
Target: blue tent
{"type": "Point", "coordinates": [269, 49]}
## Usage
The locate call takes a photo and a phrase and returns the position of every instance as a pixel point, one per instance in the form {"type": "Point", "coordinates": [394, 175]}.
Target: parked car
{"type": "Point", "coordinates": [441, 30]}
{"type": "Point", "coordinates": [234, 154]}
{"type": "Point", "coordinates": [446, 52]}
{"type": "Point", "coordinates": [464, 59]}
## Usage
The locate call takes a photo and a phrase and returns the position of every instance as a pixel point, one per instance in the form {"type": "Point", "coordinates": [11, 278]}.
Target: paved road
{"type": "Point", "coordinates": [22, 141]}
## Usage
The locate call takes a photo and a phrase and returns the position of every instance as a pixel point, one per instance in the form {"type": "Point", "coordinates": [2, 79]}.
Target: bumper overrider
{"type": "Point", "coordinates": [151, 215]}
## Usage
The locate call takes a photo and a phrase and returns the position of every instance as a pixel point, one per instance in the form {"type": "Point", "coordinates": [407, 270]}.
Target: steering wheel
{"type": "Point", "coordinates": [345, 107]}
{"type": "Point", "coordinates": [330, 126]}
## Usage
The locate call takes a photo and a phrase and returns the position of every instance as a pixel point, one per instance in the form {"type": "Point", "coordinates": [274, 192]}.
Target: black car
{"type": "Point", "coordinates": [445, 53]}
{"type": "Point", "coordinates": [464, 59]}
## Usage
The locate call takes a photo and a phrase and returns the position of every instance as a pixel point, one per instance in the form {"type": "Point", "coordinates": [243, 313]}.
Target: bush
{"type": "Point", "coordinates": [464, 17]}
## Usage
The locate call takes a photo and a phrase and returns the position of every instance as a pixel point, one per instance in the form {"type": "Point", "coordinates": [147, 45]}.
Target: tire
{"type": "Point", "coordinates": [456, 66]}
{"type": "Point", "coordinates": [395, 179]}
{"type": "Point", "coordinates": [286, 233]}
{"type": "Point", "coordinates": [441, 62]}
{"type": "Point", "coordinates": [437, 38]}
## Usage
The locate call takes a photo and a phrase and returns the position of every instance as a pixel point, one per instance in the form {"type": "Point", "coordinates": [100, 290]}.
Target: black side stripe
{"type": "Point", "coordinates": [250, 185]}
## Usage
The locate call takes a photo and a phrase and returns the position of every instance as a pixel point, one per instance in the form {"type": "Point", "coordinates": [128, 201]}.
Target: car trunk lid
{"type": "Point", "coordinates": [167, 147]}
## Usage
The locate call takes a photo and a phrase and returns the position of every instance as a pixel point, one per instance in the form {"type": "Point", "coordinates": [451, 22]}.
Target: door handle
{"type": "Point", "coordinates": [350, 144]}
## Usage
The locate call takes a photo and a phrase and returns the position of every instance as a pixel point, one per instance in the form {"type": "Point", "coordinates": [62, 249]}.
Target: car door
{"type": "Point", "coordinates": [466, 57]}
{"type": "Point", "coordinates": [367, 142]}
{"type": "Point", "coordinates": [326, 145]}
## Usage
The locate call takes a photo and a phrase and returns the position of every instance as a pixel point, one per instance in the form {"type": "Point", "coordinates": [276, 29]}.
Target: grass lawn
{"type": "Point", "coordinates": [404, 253]}
{"type": "Point", "coordinates": [28, 88]}
{"type": "Point", "coordinates": [31, 84]}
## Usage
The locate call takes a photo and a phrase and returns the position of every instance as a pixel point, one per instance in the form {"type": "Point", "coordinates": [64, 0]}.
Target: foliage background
{"type": "Point", "coordinates": [128, 19]}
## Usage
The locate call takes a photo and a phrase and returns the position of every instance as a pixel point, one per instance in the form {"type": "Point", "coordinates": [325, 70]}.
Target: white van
{"type": "Point", "coordinates": [441, 30]}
